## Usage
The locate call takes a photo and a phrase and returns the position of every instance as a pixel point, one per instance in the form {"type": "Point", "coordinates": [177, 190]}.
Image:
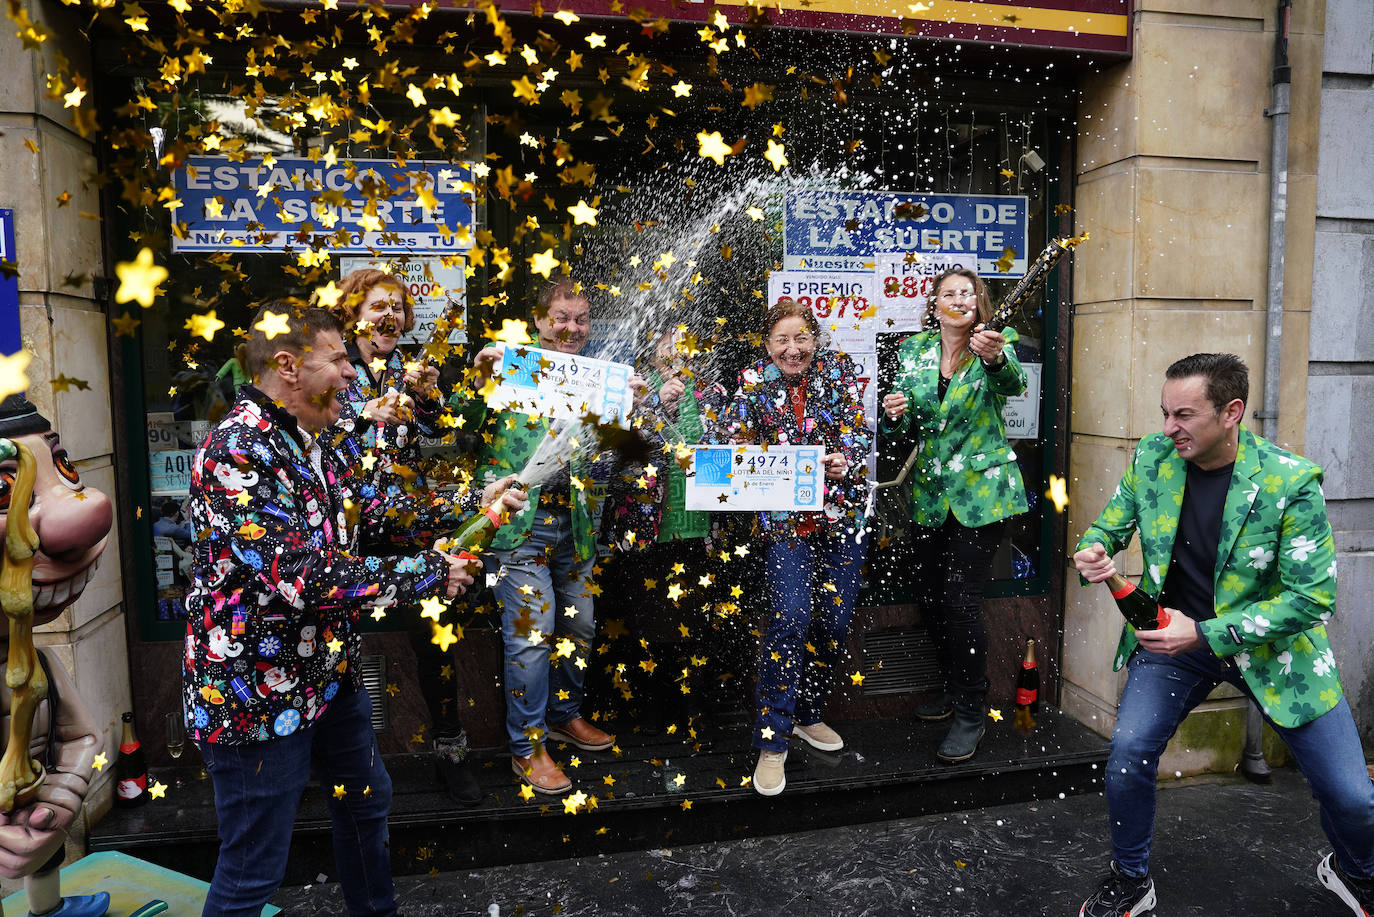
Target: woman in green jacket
{"type": "Point", "coordinates": [951, 386]}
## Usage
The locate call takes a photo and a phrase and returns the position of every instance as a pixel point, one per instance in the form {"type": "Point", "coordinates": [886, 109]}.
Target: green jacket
{"type": "Point", "coordinates": [509, 439]}
{"type": "Point", "coordinates": [1275, 573]}
{"type": "Point", "coordinates": [965, 464]}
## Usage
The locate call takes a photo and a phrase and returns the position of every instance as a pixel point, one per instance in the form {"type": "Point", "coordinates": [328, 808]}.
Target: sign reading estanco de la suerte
{"type": "Point", "coordinates": [360, 205]}
{"type": "Point", "coordinates": [843, 230]}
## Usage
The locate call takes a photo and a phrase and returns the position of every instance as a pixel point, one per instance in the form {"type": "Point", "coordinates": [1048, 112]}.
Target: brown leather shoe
{"type": "Point", "coordinates": [542, 773]}
{"type": "Point", "coordinates": [581, 734]}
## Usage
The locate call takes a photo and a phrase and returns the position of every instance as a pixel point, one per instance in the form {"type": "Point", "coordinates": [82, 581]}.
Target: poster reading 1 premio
{"type": "Point", "coordinates": [359, 205]}
{"type": "Point", "coordinates": [844, 230]}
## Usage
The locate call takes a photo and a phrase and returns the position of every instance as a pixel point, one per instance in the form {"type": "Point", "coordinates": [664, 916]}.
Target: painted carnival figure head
{"type": "Point", "coordinates": [72, 521]}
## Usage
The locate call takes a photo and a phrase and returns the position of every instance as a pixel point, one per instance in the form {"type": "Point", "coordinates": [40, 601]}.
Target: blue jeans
{"type": "Point", "coordinates": [556, 604]}
{"type": "Point", "coordinates": [258, 789]}
{"type": "Point", "coordinates": [793, 681]}
{"type": "Point", "coordinates": [1160, 691]}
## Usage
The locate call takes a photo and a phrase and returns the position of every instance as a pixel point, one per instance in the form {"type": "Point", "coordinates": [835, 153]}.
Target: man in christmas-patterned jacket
{"type": "Point", "coordinates": [1238, 551]}
{"type": "Point", "coordinates": [270, 678]}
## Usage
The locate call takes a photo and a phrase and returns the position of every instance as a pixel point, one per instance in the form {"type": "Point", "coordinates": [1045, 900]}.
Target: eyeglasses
{"type": "Point", "coordinates": [801, 340]}
{"type": "Point", "coordinates": [952, 295]}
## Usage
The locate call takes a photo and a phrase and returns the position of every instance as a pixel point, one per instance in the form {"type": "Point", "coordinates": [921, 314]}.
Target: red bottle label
{"type": "Point", "coordinates": [1026, 696]}
{"type": "Point", "coordinates": [128, 749]}
{"type": "Point", "coordinates": [132, 787]}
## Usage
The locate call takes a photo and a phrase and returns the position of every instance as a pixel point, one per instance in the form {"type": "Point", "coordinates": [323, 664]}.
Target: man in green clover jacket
{"type": "Point", "coordinates": [1238, 551]}
{"type": "Point", "coordinates": [544, 558]}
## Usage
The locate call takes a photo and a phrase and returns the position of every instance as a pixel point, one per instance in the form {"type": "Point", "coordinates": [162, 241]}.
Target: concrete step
{"type": "Point", "coordinates": [650, 791]}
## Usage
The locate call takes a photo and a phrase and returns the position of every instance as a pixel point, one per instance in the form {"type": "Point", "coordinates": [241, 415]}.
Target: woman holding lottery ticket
{"type": "Point", "coordinates": [393, 400]}
{"type": "Point", "coordinates": [951, 385]}
{"type": "Point", "coordinates": [388, 406]}
{"type": "Point", "coordinates": [803, 394]}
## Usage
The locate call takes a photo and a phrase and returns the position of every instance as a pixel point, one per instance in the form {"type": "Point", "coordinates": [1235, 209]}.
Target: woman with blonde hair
{"type": "Point", "coordinates": [952, 382]}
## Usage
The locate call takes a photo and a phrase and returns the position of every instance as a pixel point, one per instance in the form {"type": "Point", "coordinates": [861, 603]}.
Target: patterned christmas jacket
{"type": "Point", "coordinates": [277, 582]}
{"type": "Point", "coordinates": [761, 412]}
{"type": "Point", "coordinates": [396, 449]}
{"type": "Point", "coordinates": [1275, 574]}
{"type": "Point", "coordinates": [965, 464]}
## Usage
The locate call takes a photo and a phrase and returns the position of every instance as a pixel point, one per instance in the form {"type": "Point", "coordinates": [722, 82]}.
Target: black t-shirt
{"type": "Point", "coordinates": [1189, 587]}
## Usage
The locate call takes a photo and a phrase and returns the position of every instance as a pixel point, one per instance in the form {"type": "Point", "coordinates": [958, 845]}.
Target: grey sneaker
{"type": "Point", "coordinates": [1356, 894]}
{"type": "Point", "coordinates": [1120, 896]}
{"type": "Point", "coordinates": [769, 777]}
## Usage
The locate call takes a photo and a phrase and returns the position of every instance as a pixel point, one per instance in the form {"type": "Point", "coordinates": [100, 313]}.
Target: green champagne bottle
{"type": "Point", "coordinates": [474, 536]}
{"type": "Point", "coordinates": [1143, 612]}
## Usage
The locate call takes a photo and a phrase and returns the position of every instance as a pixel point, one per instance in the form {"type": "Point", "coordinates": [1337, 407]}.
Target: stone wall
{"type": "Point", "coordinates": [1173, 185]}
{"type": "Point", "coordinates": [65, 327]}
{"type": "Point", "coordinates": [1340, 383]}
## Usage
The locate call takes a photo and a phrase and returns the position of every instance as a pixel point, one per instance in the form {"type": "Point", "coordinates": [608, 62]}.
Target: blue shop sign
{"type": "Point", "coordinates": [351, 205]}
{"type": "Point", "coordinates": [9, 286]}
{"type": "Point", "coordinates": [845, 230]}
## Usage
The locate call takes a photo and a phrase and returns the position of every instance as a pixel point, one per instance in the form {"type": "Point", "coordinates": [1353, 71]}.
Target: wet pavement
{"type": "Point", "coordinates": [1223, 847]}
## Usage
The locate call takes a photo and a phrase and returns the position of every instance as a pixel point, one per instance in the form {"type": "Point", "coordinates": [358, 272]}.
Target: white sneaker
{"type": "Point", "coordinates": [819, 736]}
{"type": "Point", "coordinates": [769, 777]}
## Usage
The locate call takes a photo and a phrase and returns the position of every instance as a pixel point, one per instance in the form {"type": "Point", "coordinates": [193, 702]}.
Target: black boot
{"type": "Point", "coordinates": [455, 769]}
{"type": "Point", "coordinates": [964, 735]}
{"type": "Point", "coordinates": [939, 707]}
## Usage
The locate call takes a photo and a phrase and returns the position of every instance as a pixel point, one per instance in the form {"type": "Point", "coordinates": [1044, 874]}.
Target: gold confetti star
{"type": "Point", "coordinates": [124, 325]}
{"type": "Point", "coordinates": [526, 792]}
{"type": "Point", "coordinates": [339, 791]}
{"type": "Point", "coordinates": [13, 379]}
{"type": "Point", "coordinates": [776, 155]}
{"type": "Point", "coordinates": [204, 325]}
{"type": "Point", "coordinates": [543, 263]}
{"type": "Point", "coordinates": [443, 637]}
{"type": "Point", "coordinates": [273, 324]}
{"type": "Point", "coordinates": [328, 295]}
{"type": "Point", "coordinates": [995, 714]}
{"type": "Point", "coordinates": [100, 761]}
{"type": "Point", "coordinates": [1058, 493]}
{"type": "Point", "coordinates": [679, 780]}
{"type": "Point", "coordinates": [574, 802]}
{"type": "Point", "coordinates": [432, 608]}
{"type": "Point", "coordinates": [856, 678]}
{"type": "Point", "coordinates": [710, 146]}
{"type": "Point", "coordinates": [139, 279]}
{"type": "Point", "coordinates": [583, 214]}
{"type": "Point", "coordinates": [157, 790]}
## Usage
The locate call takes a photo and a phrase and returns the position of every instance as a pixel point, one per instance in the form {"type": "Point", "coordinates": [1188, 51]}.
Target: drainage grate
{"type": "Point", "coordinates": [899, 660]}
{"type": "Point", "coordinates": [374, 679]}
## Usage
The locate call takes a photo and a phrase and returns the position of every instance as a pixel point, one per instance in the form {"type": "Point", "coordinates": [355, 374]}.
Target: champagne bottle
{"type": "Point", "coordinates": [131, 771]}
{"type": "Point", "coordinates": [1143, 612]}
{"type": "Point", "coordinates": [1028, 681]}
{"type": "Point", "coordinates": [474, 536]}
{"type": "Point", "coordinates": [1027, 692]}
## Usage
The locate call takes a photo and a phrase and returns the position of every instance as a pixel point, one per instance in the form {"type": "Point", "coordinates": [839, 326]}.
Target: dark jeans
{"type": "Point", "coordinates": [1160, 691]}
{"type": "Point", "coordinates": [440, 693]}
{"type": "Point", "coordinates": [793, 680]}
{"type": "Point", "coordinates": [955, 562]}
{"type": "Point", "coordinates": [258, 789]}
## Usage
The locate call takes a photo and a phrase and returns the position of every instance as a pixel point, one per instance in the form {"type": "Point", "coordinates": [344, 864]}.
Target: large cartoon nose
{"type": "Point", "coordinates": [68, 523]}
